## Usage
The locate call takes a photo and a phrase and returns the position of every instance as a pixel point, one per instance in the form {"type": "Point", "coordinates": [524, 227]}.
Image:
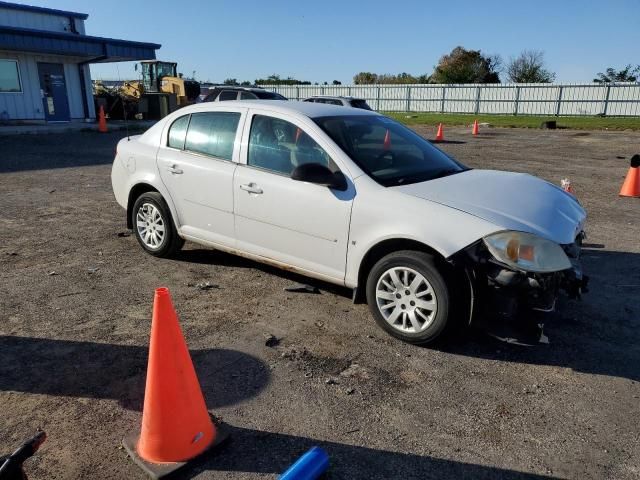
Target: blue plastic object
{"type": "Point", "coordinates": [309, 466]}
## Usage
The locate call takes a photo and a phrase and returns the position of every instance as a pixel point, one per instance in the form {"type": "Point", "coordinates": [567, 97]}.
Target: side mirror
{"type": "Point", "coordinates": [320, 175]}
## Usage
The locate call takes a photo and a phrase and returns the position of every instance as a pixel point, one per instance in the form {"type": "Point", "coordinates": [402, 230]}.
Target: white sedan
{"type": "Point", "coordinates": [353, 198]}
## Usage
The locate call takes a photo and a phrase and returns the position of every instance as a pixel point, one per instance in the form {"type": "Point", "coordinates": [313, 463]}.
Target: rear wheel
{"type": "Point", "coordinates": [154, 227]}
{"type": "Point", "coordinates": [408, 296]}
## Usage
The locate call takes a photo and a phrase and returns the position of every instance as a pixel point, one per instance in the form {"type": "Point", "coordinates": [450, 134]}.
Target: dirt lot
{"type": "Point", "coordinates": [75, 309]}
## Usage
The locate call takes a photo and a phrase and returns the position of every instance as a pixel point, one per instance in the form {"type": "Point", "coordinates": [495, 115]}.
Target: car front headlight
{"type": "Point", "coordinates": [524, 251]}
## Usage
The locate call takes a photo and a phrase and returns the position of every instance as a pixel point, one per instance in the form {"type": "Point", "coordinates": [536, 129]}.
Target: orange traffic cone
{"type": "Point", "coordinates": [475, 130]}
{"type": "Point", "coordinates": [631, 185]}
{"type": "Point", "coordinates": [439, 134]}
{"type": "Point", "coordinates": [387, 141]}
{"type": "Point", "coordinates": [102, 121]}
{"type": "Point", "coordinates": [176, 425]}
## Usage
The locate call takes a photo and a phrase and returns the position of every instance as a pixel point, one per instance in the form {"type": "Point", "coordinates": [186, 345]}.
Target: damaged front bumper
{"type": "Point", "coordinates": [502, 289]}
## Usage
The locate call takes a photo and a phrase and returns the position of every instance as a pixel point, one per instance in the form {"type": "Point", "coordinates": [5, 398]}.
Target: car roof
{"type": "Point", "coordinates": [345, 97]}
{"type": "Point", "coordinates": [311, 110]}
{"type": "Point", "coordinates": [238, 87]}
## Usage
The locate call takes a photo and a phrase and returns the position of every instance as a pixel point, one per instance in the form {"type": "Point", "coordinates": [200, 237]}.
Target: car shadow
{"type": "Point", "coordinates": [52, 151]}
{"type": "Point", "coordinates": [206, 256]}
{"type": "Point", "coordinates": [447, 142]}
{"type": "Point", "coordinates": [265, 453]}
{"type": "Point", "coordinates": [599, 334]}
{"type": "Point", "coordinates": [118, 372]}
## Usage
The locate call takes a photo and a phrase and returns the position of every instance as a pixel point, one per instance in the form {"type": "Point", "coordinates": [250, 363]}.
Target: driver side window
{"type": "Point", "coordinates": [280, 146]}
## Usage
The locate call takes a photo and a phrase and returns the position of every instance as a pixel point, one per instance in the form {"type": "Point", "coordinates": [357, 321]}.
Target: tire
{"type": "Point", "coordinates": [163, 239]}
{"type": "Point", "coordinates": [418, 313]}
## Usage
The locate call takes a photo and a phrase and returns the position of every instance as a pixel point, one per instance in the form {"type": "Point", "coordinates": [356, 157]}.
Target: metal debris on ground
{"type": "Point", "coordinates": [206, 285]}
{"type": "Point", "coordinates": [295, 353]}
{"type": "Point", "coordinates": [93, 269]}
{"type": "Point", "coordinates": [271, 340]}
{"type": "Point", "coordinates": [302, 288]}
{"type": "Point", "coordinates": [52, 273]}
{"type": "Point", "coordinates": [355, 371]}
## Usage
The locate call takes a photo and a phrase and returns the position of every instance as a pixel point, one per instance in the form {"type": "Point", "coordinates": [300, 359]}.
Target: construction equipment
{"type": "Point", "coordinates": [160, 91]}
{"type": "Point", "coordinates": [162, 77]}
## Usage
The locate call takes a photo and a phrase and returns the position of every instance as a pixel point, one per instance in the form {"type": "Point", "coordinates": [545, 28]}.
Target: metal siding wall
{"type": "Point", "coordinates": [28, 104]}
{"type": "Point", "coordinates": [89, 90]}
{"type": "Point", "coordinates": [35, 20]}
{"type": "Point", "coordinates": [502, 99]}
{"type": "Point", "coordinates": [74, 92]}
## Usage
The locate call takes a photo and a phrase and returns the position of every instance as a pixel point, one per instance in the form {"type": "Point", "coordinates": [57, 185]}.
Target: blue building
{"type": "Point", "coordinates": [44, 63]}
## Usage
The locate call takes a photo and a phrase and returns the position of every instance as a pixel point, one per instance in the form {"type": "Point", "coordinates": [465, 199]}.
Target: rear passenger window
{"type": "Point", "coordinates": [228, 95]}
{"type": "Point", "coordinates": [213, 133]}
{"type": "Point", "coordinates": [177, 132]}
{"type": "Point", "coordinates": [247, 96]}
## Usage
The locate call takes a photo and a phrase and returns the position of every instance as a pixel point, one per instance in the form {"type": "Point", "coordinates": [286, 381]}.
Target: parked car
{"type": "Point", "coordinates": [224, 93]}
{"type": "Point", "coordinates": [354, 198]}
{"type": "Point", "coordinates": [344, 101]}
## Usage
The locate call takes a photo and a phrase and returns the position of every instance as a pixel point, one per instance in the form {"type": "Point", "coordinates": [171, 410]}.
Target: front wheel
{"type": "Point", "coordinates": [408, 296]}
{"type": "Point", "coordinates": [153, 225]}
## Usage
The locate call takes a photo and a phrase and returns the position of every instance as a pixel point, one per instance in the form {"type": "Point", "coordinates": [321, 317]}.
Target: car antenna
{"type": "Point", "coordinates": [124, 107]}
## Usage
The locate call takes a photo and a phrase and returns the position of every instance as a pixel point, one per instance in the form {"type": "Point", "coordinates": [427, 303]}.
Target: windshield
{"type": "Point", "coordinates": [387, 151]}
{"type": "Point", "coordinates": [268, 95]}
{"type": "Point", "coordinates": [359, 103]}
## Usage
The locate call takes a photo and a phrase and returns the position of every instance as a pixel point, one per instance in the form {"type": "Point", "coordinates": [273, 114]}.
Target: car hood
{"type": "Point", "coordinates": [512, 201]}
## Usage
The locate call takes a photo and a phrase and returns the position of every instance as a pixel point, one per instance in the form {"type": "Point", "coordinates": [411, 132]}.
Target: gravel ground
{"type": "Point", "coordinates": [75, 306]}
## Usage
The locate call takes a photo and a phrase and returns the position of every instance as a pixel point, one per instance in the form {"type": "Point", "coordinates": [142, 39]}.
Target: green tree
{"type": "Point", "coordinates": [336, 82]}
{"type": "Point", "coordinates": [467, 66]}
{"type": "Point", "coordinates": [230, 81]}
{"type": "Point", "coordinates": [276, 80]}
{"type": "Point", "coordinates": [528, 67]}
{"type": "Point", "coordinates": [365, 78]}
{"type": "Point", "coordinates": [368, 78]}
{"type": "Point", "coordinates": [626, 74]}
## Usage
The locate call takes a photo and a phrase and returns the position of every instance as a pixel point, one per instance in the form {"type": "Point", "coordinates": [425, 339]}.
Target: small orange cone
{"type": "Point", "coordinates": [176, 425]}
{"type": "Point", "coordinates": [631, 185]}
{"type": "Point", "coordinates": [102, 121]}
{"type": "Point", "coordinates": [439, 134]}
{"type": "Point", "coordinates": [475, 130]}
{"type": "Point", "coordinates": [387, 141]}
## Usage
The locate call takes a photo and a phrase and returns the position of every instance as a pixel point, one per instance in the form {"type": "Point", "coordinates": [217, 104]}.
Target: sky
{"type": "Point", "coordinates": [326, 40]}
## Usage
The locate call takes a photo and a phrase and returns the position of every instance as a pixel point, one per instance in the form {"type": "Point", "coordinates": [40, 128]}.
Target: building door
{"type": "Point", "coordinates": [54, 92]}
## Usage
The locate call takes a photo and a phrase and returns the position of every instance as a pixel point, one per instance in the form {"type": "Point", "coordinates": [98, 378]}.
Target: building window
{"type": "Point", "coordinates": [9, 77]}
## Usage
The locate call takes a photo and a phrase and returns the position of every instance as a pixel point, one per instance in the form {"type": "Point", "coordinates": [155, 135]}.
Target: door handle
{"type": "Point", "coordinates": [175, 170]}
{"type": "Point", "coordinates": [251, 188]}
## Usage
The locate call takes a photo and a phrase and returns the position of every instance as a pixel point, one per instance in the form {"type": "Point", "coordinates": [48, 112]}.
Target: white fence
{"type": "Point", "coordinates": [622, 99]}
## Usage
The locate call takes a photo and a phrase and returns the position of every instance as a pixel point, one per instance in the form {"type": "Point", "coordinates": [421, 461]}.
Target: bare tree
{"type": "Point", "coordinates": [528, 67]}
